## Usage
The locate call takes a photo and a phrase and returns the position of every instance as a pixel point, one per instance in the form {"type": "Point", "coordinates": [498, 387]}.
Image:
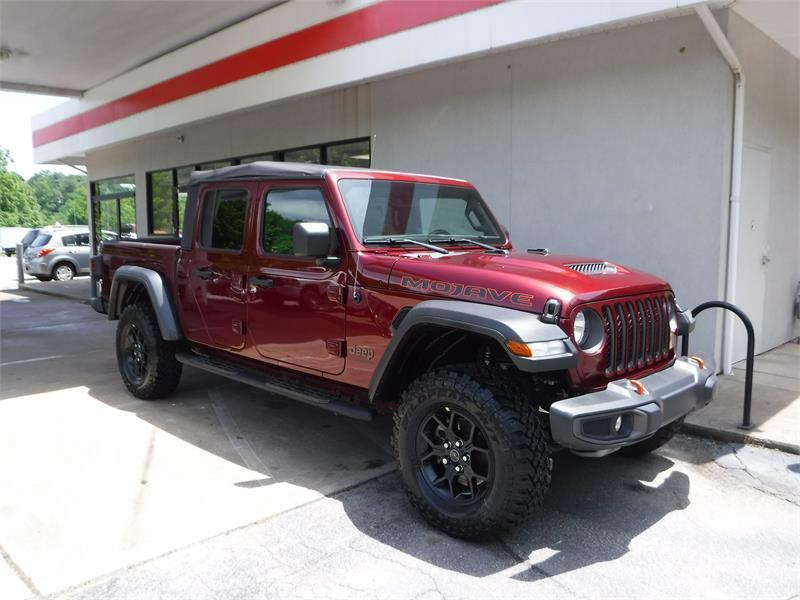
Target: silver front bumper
{"type": "Point", "coordinates": [588, 423]}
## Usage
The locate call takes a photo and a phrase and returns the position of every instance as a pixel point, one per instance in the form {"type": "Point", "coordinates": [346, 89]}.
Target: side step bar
{"type": "Point", "coordinates": [320, 398]}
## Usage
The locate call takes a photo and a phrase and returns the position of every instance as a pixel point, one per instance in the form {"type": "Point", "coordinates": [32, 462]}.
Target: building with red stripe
{"type": "Point", "coordinates": [600, 128]}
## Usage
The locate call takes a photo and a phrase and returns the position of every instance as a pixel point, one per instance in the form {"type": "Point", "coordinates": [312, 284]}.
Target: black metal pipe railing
{"type": "Point", "coordinates": [751, 348]}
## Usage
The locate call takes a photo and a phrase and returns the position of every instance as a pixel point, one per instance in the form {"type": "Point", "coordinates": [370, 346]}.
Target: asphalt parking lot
{"type": "Point", "coordinates": [223, 492]}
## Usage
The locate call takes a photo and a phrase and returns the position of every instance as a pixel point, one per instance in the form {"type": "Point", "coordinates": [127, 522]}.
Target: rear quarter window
{"type": "Point", "coordinates": [41, 240]}
{"type": "Point", "coordinates": [30, 237]}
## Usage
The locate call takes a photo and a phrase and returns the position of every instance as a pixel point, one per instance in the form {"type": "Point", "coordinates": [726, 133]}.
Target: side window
{"type": "Point", "coordinates": [82, 239]}
{"type": "Point", "coordinates": [224, 215]}
{"type": "Point", "coordinates": [285, 207]}
{"type": "Point", "coordinates": [68, 240]}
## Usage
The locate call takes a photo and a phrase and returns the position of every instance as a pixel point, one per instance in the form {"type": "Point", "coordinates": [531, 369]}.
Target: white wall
{"type": "Point", "coordinates": [614, 145]}
{"type": "Point", "coordinates": [772, 124]}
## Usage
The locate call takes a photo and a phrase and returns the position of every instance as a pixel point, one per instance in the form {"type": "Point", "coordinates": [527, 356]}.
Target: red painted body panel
{"type": "Point", "coordinates": [310, 322]}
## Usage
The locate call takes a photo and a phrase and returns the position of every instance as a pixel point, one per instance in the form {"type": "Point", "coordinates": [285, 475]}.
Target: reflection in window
{"type": "Point", "coordinates": [258, 157]}
{"type": "Point", "coordinates": [161, 203]}
{"type": "Point", "coordinates": [210, 166]}
{"type": "Point", "coordinates": [224, 215]}
{"type": "Point", "coordinates": [106, 223]}
{"type": "Point", "coordinates": [284, 208]}
{"type": "Point", "coordinates": [350, 154]}
{"type": "Point", "coordinates": [305, 155]}
{"type": "Point", "coordinates": [127, 213]}
{"type": "Point", "coordinates": [114, 186]}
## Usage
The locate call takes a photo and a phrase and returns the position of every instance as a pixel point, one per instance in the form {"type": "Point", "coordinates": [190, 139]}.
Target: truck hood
{"type": "Point", "coordinates": [519, 280]}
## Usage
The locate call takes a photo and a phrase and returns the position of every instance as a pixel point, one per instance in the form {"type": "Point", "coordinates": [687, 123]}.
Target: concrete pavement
{"type": "Point", "coordinates": [775, 403]}
{"type": "Point", "coordinates": [223, 492]}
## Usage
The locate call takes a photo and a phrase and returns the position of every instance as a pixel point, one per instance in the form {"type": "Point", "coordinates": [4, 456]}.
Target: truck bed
{"type": "Point", "coordinates": [159, 254]}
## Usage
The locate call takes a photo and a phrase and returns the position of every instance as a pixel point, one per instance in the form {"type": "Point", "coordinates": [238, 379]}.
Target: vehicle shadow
{"type": "Point", "coordinates": [594, 510]}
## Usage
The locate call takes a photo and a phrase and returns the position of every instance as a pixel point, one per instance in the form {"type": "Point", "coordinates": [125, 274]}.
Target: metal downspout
{"type": "Point", "coordinates": [725, 48]}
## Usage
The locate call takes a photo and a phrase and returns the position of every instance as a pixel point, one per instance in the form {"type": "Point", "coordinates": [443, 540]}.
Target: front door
{"type": "Point", "coordinates": [295, 309]}
{"type": "Point", "coordinates": [216, 268]}
{"type": "Point", "coordinates": [753, 256]}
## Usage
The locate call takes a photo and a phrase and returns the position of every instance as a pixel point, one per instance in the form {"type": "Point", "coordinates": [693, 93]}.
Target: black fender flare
{"type": "Point", "coordinates": [499, 323]}
{"type": "Point", "coordinates": [157, 291]}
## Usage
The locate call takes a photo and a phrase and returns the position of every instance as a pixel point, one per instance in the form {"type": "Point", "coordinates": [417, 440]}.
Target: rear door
{"type": "Point", "coordinates": [295, 309]}
{"type": "Point", "coordinates": [216, 268]}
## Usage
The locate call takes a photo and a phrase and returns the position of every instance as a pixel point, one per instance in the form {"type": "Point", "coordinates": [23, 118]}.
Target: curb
{"type": "Point", "coordinates": [723, 435]}
{"type": "Point", "coordinates": [56, 294]}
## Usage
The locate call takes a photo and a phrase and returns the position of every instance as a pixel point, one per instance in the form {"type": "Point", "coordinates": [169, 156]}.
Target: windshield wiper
{"type": "Point", "coordinates": [468, 241]}
{"type": "Point", "coordinates": [394, 241]}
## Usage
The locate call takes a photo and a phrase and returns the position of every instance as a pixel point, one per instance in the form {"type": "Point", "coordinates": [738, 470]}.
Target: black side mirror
{"type": "Point", "coordinates": [311, 239]}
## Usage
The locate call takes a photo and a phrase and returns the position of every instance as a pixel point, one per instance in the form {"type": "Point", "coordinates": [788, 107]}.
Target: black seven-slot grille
{"type": "Point", "coordinates": [637, 332]}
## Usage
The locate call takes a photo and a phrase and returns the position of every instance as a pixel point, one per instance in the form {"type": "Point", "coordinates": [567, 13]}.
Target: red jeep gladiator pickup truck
{"type": "Point", "coordinates": [362, 291]}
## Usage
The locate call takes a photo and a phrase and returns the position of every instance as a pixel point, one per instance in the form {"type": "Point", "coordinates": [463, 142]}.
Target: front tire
{"type": "Point", "coordinates": [146, 361]}
{"type": "Point", "coordinates": [473, 456]}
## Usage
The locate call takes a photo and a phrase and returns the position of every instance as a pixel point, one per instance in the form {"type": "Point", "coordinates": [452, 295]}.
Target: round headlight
{"type": "Point", "coordinates": [579, 331]}
{"type": "Point", "coordinates": [588, 330]}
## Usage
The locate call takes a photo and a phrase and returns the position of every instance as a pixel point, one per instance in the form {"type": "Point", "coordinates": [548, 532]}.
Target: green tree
{"type": "Point", "coordinates": [18, 207]}
{"type": "Point", "coordinates": [54, 190]}
{"type": "Point", "coordinates": [74, 210]}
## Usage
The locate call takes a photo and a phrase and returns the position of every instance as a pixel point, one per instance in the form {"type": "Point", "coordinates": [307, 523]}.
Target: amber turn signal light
{"type": "Point", "coordinates": [519, 349]}
{"type": "Point", "coordinates": [637, 386]}
{"type": "Point", "coordinates": [698, 361]}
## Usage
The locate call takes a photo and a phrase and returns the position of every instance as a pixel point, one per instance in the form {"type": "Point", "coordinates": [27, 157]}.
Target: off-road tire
{"type": "Point", "coordinates": [43, 277]}
{"type": "Point", "coordinates": [522, 463]}
{"type": "Point", "coordinates": [162, 371]}
{"type": "Point", "coordinates": [658, 439]}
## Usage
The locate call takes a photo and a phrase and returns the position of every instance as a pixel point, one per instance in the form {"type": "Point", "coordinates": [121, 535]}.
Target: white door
{"type": "Point", "coordinates": [753, 246]}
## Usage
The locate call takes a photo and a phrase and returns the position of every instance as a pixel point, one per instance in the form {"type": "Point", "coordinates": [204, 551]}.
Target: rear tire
{"type": "Point", "coordinates": [480, 414]}
{"type": "Point", "coordinates": [146, 361]}
{"type": "Point", "coordinates": [64, 272]}
{"type": "Point", "coordinates": [658, 439]}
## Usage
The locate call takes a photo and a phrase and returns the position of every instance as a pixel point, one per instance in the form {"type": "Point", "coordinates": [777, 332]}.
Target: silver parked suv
{"type": "Point", "coordinates": [58, 253]}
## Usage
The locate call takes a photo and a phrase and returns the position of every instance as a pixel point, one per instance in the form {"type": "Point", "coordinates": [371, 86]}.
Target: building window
{"type": "Point", "coordinates": [348, 154]}
{"type": "Point", "coordinates": [114, 186]}
{"type": "Point", "coordinates": [304, 155]}
{"type": "Point", "coordinates": [163, 203]}
{"type": "Point", "coordinates": [257, 157]}
{"type": "Point", "coordinates": [217, 164]}
{"type": "Point", "coordinates": [166, 201]}
{"type": "Point", "coordinates": [113, 209]}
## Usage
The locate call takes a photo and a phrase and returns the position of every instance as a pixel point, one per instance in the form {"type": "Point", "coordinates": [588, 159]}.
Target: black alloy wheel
{"type": "Point", "coordinates": [455, 460]}
{"type": "Point", "coordinates": [134, 351]}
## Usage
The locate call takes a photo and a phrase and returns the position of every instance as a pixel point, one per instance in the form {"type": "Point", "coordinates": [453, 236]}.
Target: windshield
{"type": "Point", "coordinates": [419, 211]}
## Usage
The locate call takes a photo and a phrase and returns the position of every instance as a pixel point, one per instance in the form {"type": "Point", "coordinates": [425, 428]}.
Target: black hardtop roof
{"type": "Point", "coordinates": [265, 170]}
